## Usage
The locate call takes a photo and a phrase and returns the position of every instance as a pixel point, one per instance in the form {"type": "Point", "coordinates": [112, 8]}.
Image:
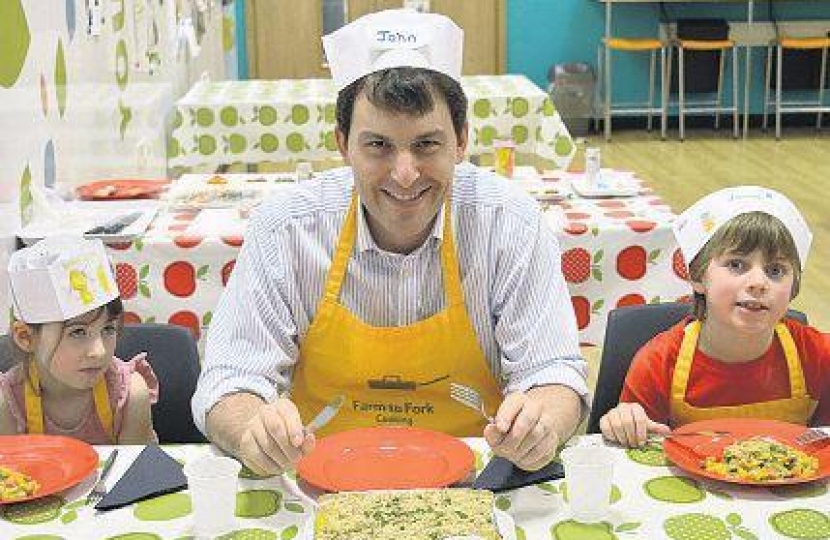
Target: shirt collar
{"type": "Point", "coordinates": [365, 242]}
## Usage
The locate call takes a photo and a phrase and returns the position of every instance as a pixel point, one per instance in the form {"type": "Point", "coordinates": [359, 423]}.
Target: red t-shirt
{"type": "Point", "coordinates": [715, 383]}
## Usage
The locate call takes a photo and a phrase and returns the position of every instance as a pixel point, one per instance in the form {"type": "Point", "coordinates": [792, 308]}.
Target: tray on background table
{"type": "Point", "coordinates": [86, 215]}
{"type": "Point", "coordinates": [612, 184]}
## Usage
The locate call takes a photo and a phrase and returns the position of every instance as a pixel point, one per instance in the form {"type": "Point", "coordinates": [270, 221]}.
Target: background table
{"type": "Point", "coordinates": [650, 500]}
{"type": "Point", "coordinates": [615, 252]}
{"type": "Point", "coordinates": [228, 122]}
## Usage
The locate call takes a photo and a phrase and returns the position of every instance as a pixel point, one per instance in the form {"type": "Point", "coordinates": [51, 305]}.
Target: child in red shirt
{"type": "Point", "coordinates": [736, 356]}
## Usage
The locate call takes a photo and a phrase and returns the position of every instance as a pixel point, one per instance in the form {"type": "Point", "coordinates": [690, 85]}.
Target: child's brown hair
{"type": "Point", "coordinates": [114, 311]}
{"type": "Point", "coordinates": [744, 234]}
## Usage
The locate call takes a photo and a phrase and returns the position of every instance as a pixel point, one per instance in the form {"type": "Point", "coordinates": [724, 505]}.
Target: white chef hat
{"type": "Point", "coordinates": [394, 38]}
{"type": "Point", "coordinates": [694, 227]}
{"type": "Point", "coordinates": [59, 278]}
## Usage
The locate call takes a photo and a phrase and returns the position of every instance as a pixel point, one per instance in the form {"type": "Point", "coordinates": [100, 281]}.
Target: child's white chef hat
{"type": "Point", "coordinates": [394, 38]}
{"type": "Point", "coordinates": [695, 226]}
{"type": "Point", "coordinates": [59, 278]}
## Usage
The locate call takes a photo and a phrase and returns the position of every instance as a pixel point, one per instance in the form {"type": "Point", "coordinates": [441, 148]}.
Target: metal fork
{"type": "Point", "coordinates": [714, 435]}
{"type": "Point", "coordinates": [813, 435]}
{"type": "Point", "coordinates": [701, 433]}
{"type": "Point", "coordinates": [471, 398]}
{"type": "Point", "coordinates": [100, 488]}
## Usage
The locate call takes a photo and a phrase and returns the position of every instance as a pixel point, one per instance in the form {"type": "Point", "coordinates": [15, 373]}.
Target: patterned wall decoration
{"type": "Point", "coordinates": [86, 87]}
{"type": "Point", "coordinates": [86, 91]}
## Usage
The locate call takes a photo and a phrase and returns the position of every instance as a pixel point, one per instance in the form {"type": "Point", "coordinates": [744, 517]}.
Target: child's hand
{"type": "Point", "coordinates": [628, 425]}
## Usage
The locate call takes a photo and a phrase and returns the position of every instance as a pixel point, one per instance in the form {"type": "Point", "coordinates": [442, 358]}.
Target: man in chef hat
{"type": "Point", "coordinates": [387, 280]}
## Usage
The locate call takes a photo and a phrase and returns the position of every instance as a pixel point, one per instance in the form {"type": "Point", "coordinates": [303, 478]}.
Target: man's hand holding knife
{"type": "Point", "coordinates": [274, 439]}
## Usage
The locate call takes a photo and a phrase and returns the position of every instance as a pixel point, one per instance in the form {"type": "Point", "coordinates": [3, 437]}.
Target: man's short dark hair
{"type": "Point", "coordinates": [405, 90]}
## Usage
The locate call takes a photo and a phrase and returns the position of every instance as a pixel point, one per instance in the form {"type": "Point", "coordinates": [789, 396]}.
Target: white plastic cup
{"type": "Point", "coordinates": [593, 166]}
{"type": "Point", "coordinates": [304, 171]}
{"type": "Point", "coordinates": [212, 482]}
{"type": "Point", "coordinates": [589, 471]}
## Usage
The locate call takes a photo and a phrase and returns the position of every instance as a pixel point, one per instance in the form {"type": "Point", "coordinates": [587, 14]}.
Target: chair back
{"type": "Point", "coordinates": [6, 355]}
{"type": "Point", "coordinates": [628, 329]}
{"type": "Point", "coordinates": [172, 352]}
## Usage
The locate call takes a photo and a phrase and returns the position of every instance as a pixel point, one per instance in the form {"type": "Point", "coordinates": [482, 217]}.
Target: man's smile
{"type": "Point", "coordinates": [406, 197]}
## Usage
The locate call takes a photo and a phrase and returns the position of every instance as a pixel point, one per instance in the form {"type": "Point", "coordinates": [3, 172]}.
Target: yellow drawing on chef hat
{"type": "Point", "coordinates": [80, 283]}
{"type": "Point", "coordinates": [707, 221]}
{"type": "Point", "coordinates": [103, 280]}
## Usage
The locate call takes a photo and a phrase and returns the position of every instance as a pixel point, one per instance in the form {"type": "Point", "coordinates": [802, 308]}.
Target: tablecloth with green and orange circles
{"type": "Point", "coordinates": [650, 499]}
{"type": "Point", "coordinates": [283, 121]}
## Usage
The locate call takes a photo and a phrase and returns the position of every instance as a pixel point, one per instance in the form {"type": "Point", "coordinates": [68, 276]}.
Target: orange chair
{"type": "Point", "coordinates": [636, 45]}
{"type": "Point", "coordinates": [781, 106]}
{"type": "Point", "coordinates": [717, 107]}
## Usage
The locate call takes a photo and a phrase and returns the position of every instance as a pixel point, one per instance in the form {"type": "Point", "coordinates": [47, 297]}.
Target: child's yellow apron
{"type": "Point", "coordinates": [393, 376]}
{"type": "Point", "coordinates": [34, 406]}
{"type": "Point", "coordinates": [797, 409]}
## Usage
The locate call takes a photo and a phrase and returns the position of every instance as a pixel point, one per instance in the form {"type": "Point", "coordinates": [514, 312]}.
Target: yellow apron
{"type": "Point", "coordinates": [393, 376]}
{"type": "Point", "coordinates": [34, 407]}
{"type": "Point", "coordinates": [797, 409]}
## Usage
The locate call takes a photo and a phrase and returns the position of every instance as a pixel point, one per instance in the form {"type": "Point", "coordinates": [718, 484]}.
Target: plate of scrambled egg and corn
{"type": "Point", "coordinates": [34, 466]}
{"type": "Point", "coordinates": [754, 452]}
{"type": "Point", "coordinates": [418, 514]}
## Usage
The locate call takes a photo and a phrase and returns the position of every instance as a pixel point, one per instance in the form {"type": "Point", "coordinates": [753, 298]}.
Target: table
{"type": "Point", "coordinates": [650, 500]}
{"type": "Point", "coordinates": [229, 122]}
{"type": "Point", "coordinates": [615, 252]}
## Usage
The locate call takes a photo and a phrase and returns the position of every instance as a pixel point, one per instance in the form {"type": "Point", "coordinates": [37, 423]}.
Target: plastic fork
{"type": "Point", "coordinates": [471, 398]}
{"type": "Point", "coordinates": [813, 435]}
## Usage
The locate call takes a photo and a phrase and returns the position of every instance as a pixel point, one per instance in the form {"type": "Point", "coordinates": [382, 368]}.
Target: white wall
{"type": "Point", "coordinates": [77, 107]}
{"type": "Point", "coordinates": [83, 107]}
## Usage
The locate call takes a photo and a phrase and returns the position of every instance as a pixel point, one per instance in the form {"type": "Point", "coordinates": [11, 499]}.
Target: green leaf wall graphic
{"type": "Point", "coordinates": [60, 78]}
{"type": "Point", "coordinates": [122, 64]}
{"type": "Point", "coordinates": [26, 200]}
{"type": "Point", "coordinates": [126, 115]}
{"type": "Point", "coordinates": [15, 43]}
{"type": "Point", "coordinates": [118, 16]}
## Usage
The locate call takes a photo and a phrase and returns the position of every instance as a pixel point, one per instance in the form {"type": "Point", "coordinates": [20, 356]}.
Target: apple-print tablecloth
{"type": "Point", "coordinates": [230, 122]}
{"type": "Point", "coordinates": [615, 252]}
{"type": "Point", "coordinates": [650, 500]}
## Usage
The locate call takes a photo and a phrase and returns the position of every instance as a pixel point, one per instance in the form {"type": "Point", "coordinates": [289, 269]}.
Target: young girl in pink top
{"type": "Point", "coordinates": [67, 315]}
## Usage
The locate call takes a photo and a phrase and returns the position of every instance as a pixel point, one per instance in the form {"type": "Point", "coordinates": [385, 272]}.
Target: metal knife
{"type": "Point", "coordinates": [115, 226]}
{"type": "Point", "coordinates": [325, 416]}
